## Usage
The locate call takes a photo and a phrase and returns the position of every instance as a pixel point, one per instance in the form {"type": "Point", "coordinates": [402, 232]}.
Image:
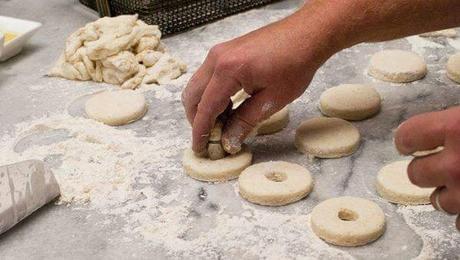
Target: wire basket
{"type": "Point", "coordinates": [174, 16]}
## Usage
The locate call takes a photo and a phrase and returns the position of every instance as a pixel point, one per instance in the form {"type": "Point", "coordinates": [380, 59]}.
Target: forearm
{"type": "Point", "coordinates": [342, 24]}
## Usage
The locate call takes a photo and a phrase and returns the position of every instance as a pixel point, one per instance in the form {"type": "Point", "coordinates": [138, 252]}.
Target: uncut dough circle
{"type": "Point", "coordinates": [116, 107]}
{"type": "Point", "coordinates": [368, 226]}
{"type": "Point", "coordinates": [275, 123]}
{"type": "Point", "coordinates": [325, 137]}
{"type": "Point", "coordinates": [453, 67]}
{"type": "Point", "coordinates": [257, 188]}
{"type": "Point", "coordinates": [350, 102]}
{"type": "Point", "coordinates": [397, 66]}
{"type": "Point", "coordinates": [393, 184]}
{"type": "Point", "coordinates": [224, 169]}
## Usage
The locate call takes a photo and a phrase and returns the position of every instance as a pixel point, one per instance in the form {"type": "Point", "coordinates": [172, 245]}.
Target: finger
{"type": "Point", "coordinates": [246, 117]}
{"type": "Point", "coordinates": [195, 88]}
{"type": "Point", "coordinates": [214, 101]}
{"type": "Point", "coordinates": [420, 133]}
{"type": "Point", "coordinates": [428, 171]}
{"type": "Point", "coordinates": [445, 200]}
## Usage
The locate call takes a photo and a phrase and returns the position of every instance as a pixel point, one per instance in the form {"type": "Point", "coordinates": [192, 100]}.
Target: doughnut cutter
{"type": "Point", "coordinates": [24, 187]}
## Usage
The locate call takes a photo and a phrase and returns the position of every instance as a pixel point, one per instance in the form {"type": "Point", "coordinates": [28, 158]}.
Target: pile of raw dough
{"type": "Point", "coordinates": [120, 50]}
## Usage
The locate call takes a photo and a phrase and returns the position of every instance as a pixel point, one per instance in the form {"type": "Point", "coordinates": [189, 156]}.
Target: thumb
{"type": "Point", "coordinates": [246, 117]}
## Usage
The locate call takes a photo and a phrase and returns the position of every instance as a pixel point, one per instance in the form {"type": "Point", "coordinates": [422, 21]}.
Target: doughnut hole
{"type": "Point", "coordinates": [347, 215]}
{"type": "Point", "coordinates": [276, 176]}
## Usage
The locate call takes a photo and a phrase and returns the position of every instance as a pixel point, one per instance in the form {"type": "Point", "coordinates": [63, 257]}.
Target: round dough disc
{"type": "Point", "coordinates": [453, 68]}
{"type": "Point", "coordinates": [397, 66]}
{"type": "Point", "coordinates": [275, 123]}
{"type": "Point", "coordinates": [275, 183]}
{"type": "Point", "coordinates": [116, 107]}
{"type": "Point", "coordinates": [348, 221]}
{"type": "Point", "coordinates": [325, 137]}
{"type": "Point", "coordinates": [393, 184]}
{"type": "Point", "coordinates": [224, 169]}
{"type": "Point", "coordinates": [350, 102]}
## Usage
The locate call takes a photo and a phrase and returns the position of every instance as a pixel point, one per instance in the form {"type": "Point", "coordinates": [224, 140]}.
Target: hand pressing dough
{"type": "Point", "coordinates": [453, 68]}
{"type": "Point", "coordinates": [275, 123]}
{"type": "Point", "coordinates": [275, 183]}
{"type": "Point", "coordinates": [225, 169]}
{"type": "Point", "coordinates": [350, 102]}
{"type": "Point", "coordinates": [397, 66]}
{"type": "Point", "coordinates": [325, 137]}
{"type": "Point", "coordinates": [393, 184]}
{"type": "Point", "coordinates": [116, 107]}
{"type": "Point", "coordinates": [348, 221]}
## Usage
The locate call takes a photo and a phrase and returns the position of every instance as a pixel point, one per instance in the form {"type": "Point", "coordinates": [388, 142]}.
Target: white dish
{"type": "Point", "coordinates": [23, 29]}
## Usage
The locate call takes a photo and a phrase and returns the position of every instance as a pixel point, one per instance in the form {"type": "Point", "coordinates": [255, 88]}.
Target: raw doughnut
{"type": "Point", "coordinates": [116, 107]}
{"type": "Point", "coordinates": [397, 66]}
{"type": "Point", "coordinates": [350, 102]}
{"type": "Point", "coordinates": [453, 68]}
{"type": "Point", "coordinates": [393, 184]}
{"type": "Point", "coordinates": [225, 169]}
{"type": "Point", "coordinates": [275, 123]}
{"type": "Point", "coordinates": [325, 137]}
{"type": "Point", "coordinates": [348, 221]}
{"type": "Point", "coordinates": [275, 183]}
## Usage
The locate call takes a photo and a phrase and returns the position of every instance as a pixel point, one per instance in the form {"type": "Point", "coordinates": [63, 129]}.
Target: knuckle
{"type": "Point", "coordinates": [217, 51]}
{"type": "Point", "coordinates": [228, 64]}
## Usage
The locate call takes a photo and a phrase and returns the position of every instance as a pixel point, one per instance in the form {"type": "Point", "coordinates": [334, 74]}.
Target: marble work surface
{"type": "Point", "coordinates": [210, 221]}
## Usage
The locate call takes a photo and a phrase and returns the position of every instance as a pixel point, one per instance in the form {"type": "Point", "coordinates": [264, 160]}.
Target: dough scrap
{"type": "Point", "coordinates": [275, 183]}
{"type": "Point", "coordinates": [393, 184]}
{"type": "Point", "coordinates": [348, 221]}
{"type": "Point", "coordinates": [350, 102]}
{"type": "Point", "coordinates": [274, 123]}
{"type": "Point", "coordinates": [325, 137]}
{"type": "Point", "coordinates": [449, 33]}
{"type": "Point", "coordinates": [116, 50]}
{"type": "Point", "coordinates": [453, 67]}
{"type": "Point", "coordinates": [228, 168]}
{"type": "Point", "coordinates": [397, 66]}
{"type": "Point", "coordinates": [116, 107]}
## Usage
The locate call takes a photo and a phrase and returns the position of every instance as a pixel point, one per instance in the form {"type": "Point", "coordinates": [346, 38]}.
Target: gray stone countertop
{"type": "Point", "coordinates": [217, 223]}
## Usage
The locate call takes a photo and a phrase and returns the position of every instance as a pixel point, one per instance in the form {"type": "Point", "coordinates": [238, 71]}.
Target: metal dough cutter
{"type": "Point", "coordinates": [24, 187]}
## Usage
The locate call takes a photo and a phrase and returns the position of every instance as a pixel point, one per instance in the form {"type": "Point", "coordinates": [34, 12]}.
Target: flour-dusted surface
{"type": "Point", "coordinates": [128, 194]}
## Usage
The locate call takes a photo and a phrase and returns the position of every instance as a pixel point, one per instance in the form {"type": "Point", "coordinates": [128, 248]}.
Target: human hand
{"type": "Point", "coordinates": [426, 132]}
{"type": "Point", "coordinates": [274, 65]}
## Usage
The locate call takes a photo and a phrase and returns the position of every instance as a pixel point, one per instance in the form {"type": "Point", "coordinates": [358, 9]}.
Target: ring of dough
{"type": "Point", "coordinates": [325, 137]}
{"type": "Point", "coordinates": [393, 184]}
{"type": "Point", "coordinates": [227, 168]}
{"type": "Point", "coordinates": [348, 221]}
{"type": "Point", "coordinates": [453, 68]}
{"type": "Point", "coordinates": [350, 102]}
{"type": "Point", "coordinates": [397, 66]}
{"type": "Point", "coordinates": [116, 107]}
{"type": "Point", "coordinates": [275, 123]}
{"type": "Point", "coordinates": [275, 183]}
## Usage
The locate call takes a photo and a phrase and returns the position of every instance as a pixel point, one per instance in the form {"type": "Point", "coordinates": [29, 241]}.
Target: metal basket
{"type": "Point", "coordinates": [174, 16]}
